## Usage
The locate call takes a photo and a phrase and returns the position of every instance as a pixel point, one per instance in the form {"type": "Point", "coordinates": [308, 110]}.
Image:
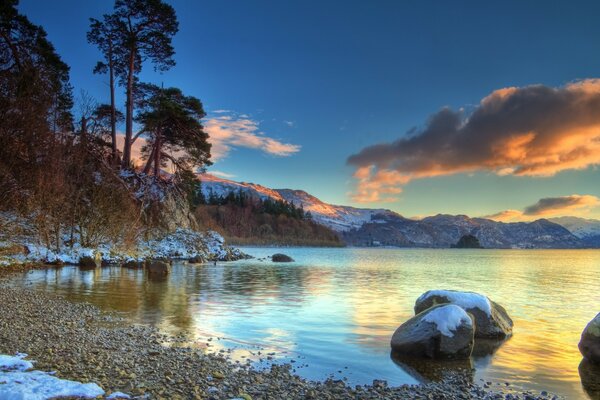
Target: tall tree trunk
{"type": "Point", "coordinates": [113, 112]}
{"type": "Point", "coordinates": [150, 160]}
{"type": "Point", "coordinates": [129, 111]}
{"type": "Point", "coordinates": [157, 155]}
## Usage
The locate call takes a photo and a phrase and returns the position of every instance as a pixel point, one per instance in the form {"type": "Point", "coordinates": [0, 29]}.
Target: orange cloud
{"type": "Point", "coordinates": [530, 131]}
{"type": "Point", "coordinates": [573, 205]}
{"type": "Point", "coordinates": [377, 186]}
{"type": "Point", "coordinates": [227, 131]}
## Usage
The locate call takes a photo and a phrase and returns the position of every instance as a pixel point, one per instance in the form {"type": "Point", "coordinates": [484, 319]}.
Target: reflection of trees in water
{"type": "Point", "coordinates": [266, 281]}
{"type": "Point", "coordinates": [426, 370]}
{"type": "Point", "coordinates": [590, 378]}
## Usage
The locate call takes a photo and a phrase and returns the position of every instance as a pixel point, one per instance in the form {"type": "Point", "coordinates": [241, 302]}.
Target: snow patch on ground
{"type": "Point", "coordinates": [19, 382]}
{"type": "Point", "coordinates": [466, 300]}
{"type": "Point", "coordinates": [448, 318]}
{"type": "Point", "coordinates": [119, 395]}
{"type": "Point", "coordinates": [182, 243]}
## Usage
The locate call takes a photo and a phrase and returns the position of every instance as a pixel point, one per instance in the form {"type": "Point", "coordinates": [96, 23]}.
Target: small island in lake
{"type": "Point", "coordinates": [467, 242]}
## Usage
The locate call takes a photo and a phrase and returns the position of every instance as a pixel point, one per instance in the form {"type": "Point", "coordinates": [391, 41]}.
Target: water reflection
{"type": "Point", "coordinates": [590, 379]}
{"type": "Point", "coordinates": [337, 308]}
{"type": "Point", "coordinates": [425, 371]}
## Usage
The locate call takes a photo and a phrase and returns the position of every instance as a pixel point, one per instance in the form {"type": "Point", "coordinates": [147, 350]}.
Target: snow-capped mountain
{"type": "Point", "coordinates": [338, 218]}
{"type": "Point", "coordinates": [585, 229]}
{"type": "Point", "coordinates": [367, 227]}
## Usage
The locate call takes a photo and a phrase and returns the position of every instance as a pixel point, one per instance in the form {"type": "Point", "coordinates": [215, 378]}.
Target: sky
{"type": "Point", "coordinates": [421, 107]}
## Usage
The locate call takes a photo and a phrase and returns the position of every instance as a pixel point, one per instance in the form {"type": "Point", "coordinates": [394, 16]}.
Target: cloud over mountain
{"type": "Point", "coordinates": [529, 131]}
{"type": "Point", "coordinates": [574, 204]}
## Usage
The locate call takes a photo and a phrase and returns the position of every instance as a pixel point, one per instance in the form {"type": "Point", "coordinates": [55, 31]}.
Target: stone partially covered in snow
{"type": "Point", "coordinates": [491, 319]}
{"type": "Point", "coordinates": [441, 332]}
{"type": "Point", "coordinates": [17, 381]}
{"type": "Point", "coordinates": [186, 243]}
{"type": "Point", "coordinates": [589, 345]}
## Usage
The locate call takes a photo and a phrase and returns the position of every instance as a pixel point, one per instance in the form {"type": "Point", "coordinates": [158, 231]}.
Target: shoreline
{"type": "Point", "coordinates": [83, 343]}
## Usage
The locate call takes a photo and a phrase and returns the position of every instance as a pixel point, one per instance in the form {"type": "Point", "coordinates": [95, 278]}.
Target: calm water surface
{"type": "Point", "coordinates": [335, 309]}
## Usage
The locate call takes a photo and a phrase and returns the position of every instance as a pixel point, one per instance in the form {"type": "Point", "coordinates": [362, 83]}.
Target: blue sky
{"type": "Point", "coordinates": [334, 77]}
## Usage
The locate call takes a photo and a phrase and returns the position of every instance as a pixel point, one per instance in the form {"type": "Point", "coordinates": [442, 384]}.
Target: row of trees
{"type": "Point", "coordinates": [267, 205]}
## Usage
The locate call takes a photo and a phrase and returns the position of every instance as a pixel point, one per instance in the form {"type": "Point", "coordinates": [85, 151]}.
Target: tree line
{"type": "Point", "coordinates": [267, 205]}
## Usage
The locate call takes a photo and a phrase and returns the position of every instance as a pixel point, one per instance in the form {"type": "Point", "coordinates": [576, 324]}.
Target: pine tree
{"type": "Point", "coordinates": [145, 31]}
{"type": "Point", "coordinates": [171, 122]}
{"type": "Point", "coordinates": [104, 34]}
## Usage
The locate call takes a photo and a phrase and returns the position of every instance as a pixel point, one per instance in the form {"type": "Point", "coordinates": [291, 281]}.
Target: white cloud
{"type": "Point", "coordinates": [229, 131]}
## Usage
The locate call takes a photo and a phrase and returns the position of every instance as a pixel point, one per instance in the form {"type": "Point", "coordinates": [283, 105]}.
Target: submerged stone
{"type": "Point", "coordinates": [160, 268]}
{"type": "Point", "coordinates": [279, 257]}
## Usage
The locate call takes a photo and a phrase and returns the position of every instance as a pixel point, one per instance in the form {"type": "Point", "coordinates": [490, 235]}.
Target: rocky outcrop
{"type": "Point", "coordinates": [589, 345]}
{"type": "Point", "coordinates": [491, 319]}
{"type": "Point", "coordinates": [279, 257]}
{"type": "Point", "coordinates": [443, 332]}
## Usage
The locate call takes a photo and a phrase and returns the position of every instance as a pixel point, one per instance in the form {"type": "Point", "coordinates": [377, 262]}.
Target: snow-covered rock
{"type": "Point", "coordinates": [589, 345]}
{"type": "Point", "coordinates": [19, 382]}
{"type": "Point", "coordinates": [491, 319]}
{"type": "Point", "coordinates": [442, 332]}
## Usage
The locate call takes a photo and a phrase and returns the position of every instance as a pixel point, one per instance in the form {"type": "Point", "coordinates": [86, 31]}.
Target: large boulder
{"type": "Point", "coordinates": [444, 332]}
{"type": "Point", "coordinates": [491, 319]}
{"type": "Point", "coordinates": [157, 268]}
{"type": "Point", "coordinates": [589, 345]}
{"type": "Point", "coordinates": [281, 258]}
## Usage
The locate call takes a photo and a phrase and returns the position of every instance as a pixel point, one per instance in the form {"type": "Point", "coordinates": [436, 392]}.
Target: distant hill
{"type": "Point", "coordinates": [587, 230]}
{"type": "Point", "coordinates": [381, 227]}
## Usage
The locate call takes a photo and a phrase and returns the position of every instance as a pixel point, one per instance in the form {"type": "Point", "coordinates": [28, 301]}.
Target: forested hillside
{"type": "Point", "coordinates": [247, 220]}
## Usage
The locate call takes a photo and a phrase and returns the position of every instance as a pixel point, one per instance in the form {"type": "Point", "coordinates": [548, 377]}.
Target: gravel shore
{"type": "Point", "coordinates": [82, 343]}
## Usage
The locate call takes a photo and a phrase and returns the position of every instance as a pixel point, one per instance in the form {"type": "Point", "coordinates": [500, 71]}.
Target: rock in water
{"type": "Point", "coordinates": [589, 345]}
{"type": "Point", "coordinates": [157, 268]}
{"type": "Point", "coordinates": [87, 262]}
{"type": "Point", "coordinates": [133, 264]}
{"type": "Point", "coordinates": [281, 258]}
{"type": "Point", "coordinates": [443, 332]}
{"type": "Point", "coordinates": [491, 319]}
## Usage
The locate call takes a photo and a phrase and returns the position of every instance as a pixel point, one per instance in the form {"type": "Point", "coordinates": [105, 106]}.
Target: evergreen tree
{"type": "Point", "coordinates": [145, 29]}
{"type": "Point", "coordinates": [171, 122]}
{"type": "Point", "coordinates": [104, 34]}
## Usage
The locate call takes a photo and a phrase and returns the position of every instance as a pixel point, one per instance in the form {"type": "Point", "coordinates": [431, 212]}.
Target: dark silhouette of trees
{"type": "Point", "coordinates": [171, 122]}
{"type": "Point", "coordinates": [104, 34]}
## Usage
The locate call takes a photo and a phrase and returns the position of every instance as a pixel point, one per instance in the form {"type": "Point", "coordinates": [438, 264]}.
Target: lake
{"type": "Point", "coordinates": [333, 311]}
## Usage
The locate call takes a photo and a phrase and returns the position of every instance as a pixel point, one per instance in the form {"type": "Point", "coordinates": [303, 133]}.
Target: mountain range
{"type": "Point", "coordinates": [382, 227]}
